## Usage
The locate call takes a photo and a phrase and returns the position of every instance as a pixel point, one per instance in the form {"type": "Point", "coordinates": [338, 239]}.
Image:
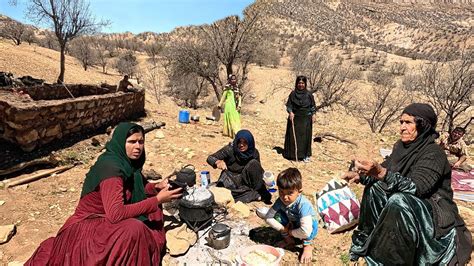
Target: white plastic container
{"type": "Point", "coordinates": [205, 179]}
{"type": "Point", "coordinates": [269, 180]}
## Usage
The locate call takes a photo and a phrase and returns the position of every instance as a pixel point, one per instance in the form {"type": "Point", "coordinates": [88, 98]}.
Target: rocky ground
{"type": "Point", "coordinates": [38, 209]}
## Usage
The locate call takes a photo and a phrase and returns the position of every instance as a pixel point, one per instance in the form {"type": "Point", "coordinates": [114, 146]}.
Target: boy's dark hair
{"type": "Point", "coordinates": [290, 178]}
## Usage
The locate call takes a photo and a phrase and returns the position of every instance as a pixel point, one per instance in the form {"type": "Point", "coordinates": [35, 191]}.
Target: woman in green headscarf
{"type": "Point", "coordinates": [119, 219]}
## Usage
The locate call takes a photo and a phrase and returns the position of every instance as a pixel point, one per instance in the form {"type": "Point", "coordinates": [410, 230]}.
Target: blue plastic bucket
{"type": "Point", "coordinates": [184, 116]}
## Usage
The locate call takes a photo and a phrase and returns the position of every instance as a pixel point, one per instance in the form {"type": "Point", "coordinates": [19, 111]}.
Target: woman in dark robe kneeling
{"type": "Point", "coordinates": [242, 172]}
{"type": "Point", "coordinates": [407, 214]}
{"type": "Point", "coordinates": [119, 219]}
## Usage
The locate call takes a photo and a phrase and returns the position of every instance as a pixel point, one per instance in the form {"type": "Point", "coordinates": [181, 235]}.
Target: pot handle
{"type": "Point", "coordinates": [190, 166]}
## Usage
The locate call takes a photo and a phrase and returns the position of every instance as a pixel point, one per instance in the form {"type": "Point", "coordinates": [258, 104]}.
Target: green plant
{"type": "Point", "coordinates": [344, 257]}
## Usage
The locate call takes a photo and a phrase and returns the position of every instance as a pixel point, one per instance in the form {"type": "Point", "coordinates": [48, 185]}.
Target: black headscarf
{"type": "Point", "coordinates": [404, 154]}
{"type": "Point", "coordinates": [250, 152]}
{"type": "Point", "coordinates": [114, 162]}
{"type": "Point", "coordinates": [300, 98]}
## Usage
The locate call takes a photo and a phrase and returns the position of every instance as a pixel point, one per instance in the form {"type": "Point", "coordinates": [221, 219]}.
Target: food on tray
{"type": "Point", "coordinates": [259, 257]}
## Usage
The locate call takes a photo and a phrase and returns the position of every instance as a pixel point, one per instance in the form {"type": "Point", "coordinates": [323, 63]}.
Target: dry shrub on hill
{"type": "Point", "coordinates": [330, 80]}
{"type": "Point", "coordinates": [13, 30]}
{"type": "Point", "coordinates": [382, 104]}
{"type": "Point", "coordinates": [449, 87]}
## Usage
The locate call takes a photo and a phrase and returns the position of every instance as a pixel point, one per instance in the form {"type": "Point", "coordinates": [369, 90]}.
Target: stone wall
{"type": "Point", "coordinates": [58, 91]}
{"type": "Point", "coordinates": [32, 123]}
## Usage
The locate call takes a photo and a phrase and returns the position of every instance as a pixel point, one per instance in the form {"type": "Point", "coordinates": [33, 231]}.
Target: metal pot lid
{"type": "Point", "coordinates": [220, 228]}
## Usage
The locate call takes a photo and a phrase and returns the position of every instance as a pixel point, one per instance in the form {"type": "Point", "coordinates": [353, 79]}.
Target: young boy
{"type": "Point", "coordinates": [293, 214]}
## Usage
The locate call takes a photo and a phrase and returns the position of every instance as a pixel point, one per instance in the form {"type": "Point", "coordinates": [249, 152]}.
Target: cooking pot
{"type": "Point", "coordinates": [196, 206]}
{"type": "Point", "coordinates": [219, 236]}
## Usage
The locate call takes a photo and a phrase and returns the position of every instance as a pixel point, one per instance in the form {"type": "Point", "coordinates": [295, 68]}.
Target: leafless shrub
{"type": "Point", "coordinates": [330, 82]}
{"type": "Point", "coordinates": [103, 56]}
{"type": "Point", "coordinates": [13, 30]}
{"type": "Point", "coordinates": [380, 107]}
{"type": "Point", "coordinates": [82, 49]}
{"type": "Point", "coordinates": [398, 68]}
{"type": "Point", "coordinates": [188, 88]}
{"type": "Point", "coordinates": [448, 86]}
{"type": "Point", "coordinates": [49, 41]}
{"type": "Point", "coordinates": [411, 82]}
{"type": "Point", "coordinates": [127, 64]}
{"type": "Point", "coordinates": [29, 36]}
{"type": "Point", "coordinates": [152, 81]}
{"type": "Point", "coordinates": [152, 50]}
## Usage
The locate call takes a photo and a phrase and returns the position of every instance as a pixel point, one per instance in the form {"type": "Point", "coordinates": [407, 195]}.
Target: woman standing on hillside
{"type": "Point", "coordinates": [119, 219]}
{"type": "Point", "coordinates": [301, 108]}
{"type": "Point", "coordinates": [232, 101]}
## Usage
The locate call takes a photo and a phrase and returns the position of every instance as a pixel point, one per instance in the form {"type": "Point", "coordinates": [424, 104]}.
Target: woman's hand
{"type": "Point", "coordinates": [221, 165]}
{"type": "Point", "coordinates": [351, 177]}
{"type": "Point", "coordinates": [162, 184]}
{"type": "Point", "coordinates": [291, 116]}
{"type": "Point", "coordinates": [166, 195]}
{"type": "Point", "coordinates": [370, 168]}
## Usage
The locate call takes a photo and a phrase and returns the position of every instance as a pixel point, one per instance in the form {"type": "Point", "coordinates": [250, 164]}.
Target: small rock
{"type": "Point", "coordinates": [190, 155]}
{"type": "Point", "coordinates": [187, 150]}
{"type": "Point", "coordinates": [159, 134]}
{"type": "Point", "coordinates": [22, 187]}
{"type": "Point", "coordinates": [95, 142]}
{"type": "Point", "coordinates": [2, 202]}
{"type": "Point", "coordinates": [7, 232]}
{"type": "Point", "coordinates": [15, 263]}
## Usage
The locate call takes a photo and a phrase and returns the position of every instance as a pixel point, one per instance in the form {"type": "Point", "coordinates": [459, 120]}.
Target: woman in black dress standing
{"type": "Point", "coordinates": [301, 108]}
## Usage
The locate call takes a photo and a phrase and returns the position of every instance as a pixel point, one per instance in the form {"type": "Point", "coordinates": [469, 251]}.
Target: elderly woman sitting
{"type": "Point", "coordinates": [407, 211]}
{"type": "Point", "coordinates": [242, 172]}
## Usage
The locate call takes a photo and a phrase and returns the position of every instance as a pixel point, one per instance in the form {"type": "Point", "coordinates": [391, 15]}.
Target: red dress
{"type": "Point", "coordinates": [103, 231]}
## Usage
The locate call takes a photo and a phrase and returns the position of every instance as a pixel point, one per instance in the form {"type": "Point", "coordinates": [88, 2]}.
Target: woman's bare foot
{"type": "Point", "coordinates": [307, 255]}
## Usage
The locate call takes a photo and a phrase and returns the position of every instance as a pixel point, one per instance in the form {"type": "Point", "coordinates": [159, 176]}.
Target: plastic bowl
{"type": "Point", "coordinates": [277, 252]}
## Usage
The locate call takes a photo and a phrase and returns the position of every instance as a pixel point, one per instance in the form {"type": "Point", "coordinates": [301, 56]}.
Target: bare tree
{"type": "Point", "coordinates": [68, 18]}
{"type": "Point", "coordinates": [188, 88]}
{"type": "Point", "coordinates": [82, 49]}
{"type": "Point", "coordinates": [49, 41]}
{"type": "Point", "coordinates": [381, 105]}
{"type": "Point", "coordinates": [103, 56]}
{"type": "Point", "coordinates": [13, 30]}
{"type": "Point", "coordinates": [29, 36]}
{"type": "Point", "coordinates": [331, 82]}
{"type": "Point", "coordinates": [448, 86]}
{"type": "Point", "coordinates": [190, 57]}
{"type": "Point", "coordinates": [154, 82]}
{"type": "Point", "coordinates": [127, 64]}
{"type": "Point", "coordinates": [153, 50]}
{"type": "Point", "coordinates": [234, 42]}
